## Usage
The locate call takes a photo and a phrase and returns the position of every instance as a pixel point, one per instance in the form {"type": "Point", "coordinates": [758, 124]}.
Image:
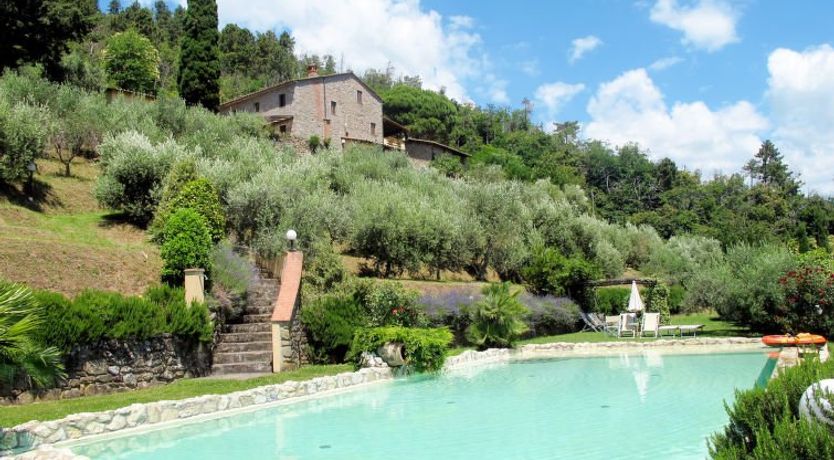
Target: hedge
{"type": "Point", "coordinates": [425, 348]}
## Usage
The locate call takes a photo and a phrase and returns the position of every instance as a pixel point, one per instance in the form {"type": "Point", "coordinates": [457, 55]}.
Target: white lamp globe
{"type": "Point", "coordinates": [291, 235]}
{"type": "Point", "coordinates": [816, 402]}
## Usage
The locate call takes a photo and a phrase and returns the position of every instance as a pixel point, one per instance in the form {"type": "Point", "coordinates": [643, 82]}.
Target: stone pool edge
{"type": "Point", "coordinates": [39, 436]}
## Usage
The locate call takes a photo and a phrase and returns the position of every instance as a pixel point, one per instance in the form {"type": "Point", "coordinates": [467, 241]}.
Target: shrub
{"type": "Point", "coordinates": [425, 349]}
{"type": "Point", "coordinates": [550, 315]}
{"type": "Point", "coordinates": [67, 323]}
{"type": "Point", "coordinates": [330, 322]}
{"type": "Point", "coordinates": [809, 301]}
{"type": "Point", "coordinates": [22, 139]}
{"type": "Point", "coordinates": [313, 143]}
{"type": "Point", "coordinates": [187, 244]}
{"type": "Point", "coordinates": [764, 422]}
{"type": "Point", "coordinates": [611, 300]}
{"type": "Point", "coordinates": [231, 271]}
{"type": "Point", "coordinates": [388, 303]}
{"type": "Point", "coordinates": [202, 197]}
{"type": "Point", "coordinates": [123, 317]}
{"type": "Point", "coordinates": [676, 295]}
{"type": "Point", "coordinates": [658, 301]}
{"type": "Point", "coordinates": [22, 356]}
{"type": "Point", "coordinates": [323, 271]}
{"type": "Point", "coordinates": [549, 272]}
{"type": "Point", "coordinates": [132, 173]}
{"type": "Point", "coordinates": [498, 319]}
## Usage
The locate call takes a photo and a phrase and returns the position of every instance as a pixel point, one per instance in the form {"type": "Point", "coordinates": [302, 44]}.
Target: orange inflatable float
{"type": "Point", "coordinates": [793, 340]}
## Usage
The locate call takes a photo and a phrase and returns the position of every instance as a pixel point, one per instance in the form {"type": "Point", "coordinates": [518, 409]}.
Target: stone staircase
{"type": "Point", "coordinates": [246, 347]}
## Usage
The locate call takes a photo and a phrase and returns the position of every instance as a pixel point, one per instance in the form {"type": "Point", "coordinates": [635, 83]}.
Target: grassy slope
{"type": "Point", "coordinates": [64, 242]}
{"type": "Point", "coordinates": [180, 389]}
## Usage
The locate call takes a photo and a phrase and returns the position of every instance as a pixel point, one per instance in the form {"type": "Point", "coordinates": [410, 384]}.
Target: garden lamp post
{"type": "Point", "coordinates": [31, 167]}
{"type": "Point", "coordinates": [291, 237]}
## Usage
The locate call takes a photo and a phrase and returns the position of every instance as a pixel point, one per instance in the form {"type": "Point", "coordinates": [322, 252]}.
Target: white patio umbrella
{"type": "Point", "coordinates": [635, 303]}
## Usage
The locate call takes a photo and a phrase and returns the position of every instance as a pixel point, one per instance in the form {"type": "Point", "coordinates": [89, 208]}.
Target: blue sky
{"type": "Point", "coordinates": [700, 81]}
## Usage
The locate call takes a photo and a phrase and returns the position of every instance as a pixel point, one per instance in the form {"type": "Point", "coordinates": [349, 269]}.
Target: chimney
{"type": "Point", "coordinates": [312, 70]}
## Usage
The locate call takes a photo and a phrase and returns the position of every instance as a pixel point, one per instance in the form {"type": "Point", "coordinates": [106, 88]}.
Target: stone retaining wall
{"type": "Point", "coordinates": [111, 366]}
{"type": "Point", "coordinates": [33, 434]}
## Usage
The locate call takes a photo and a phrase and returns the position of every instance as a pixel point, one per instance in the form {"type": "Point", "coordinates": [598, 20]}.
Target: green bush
{"type": "Point", "coordinates": [549, 272]}
{"type": "Point", "coordinates": [132, 172]}
{"type": "Point", "coordinates": [425, 348]}
{"type": "Point", "coordinates": [313, 143]}
{"type": "Point", "coordinates": [67, 323]}
{"type": "Point", "coordinates": [24, 358]}
{"type": "Point", "coordinates": [388, 303]}
{"type": "Point", "coordinates": [96, 315]}
{"type": "Point", "coordinates": [676, 295]}
{"type": "Point", "coordinates": [611, 300]}
{"type": "Point", "coordinates": [330, 322]}
{"type": "Point", "coordinates": [658, 301]}
{"type": "Point", "coordinates": [187, 244]}
{"type": "Point", "coordinates": [323, 270]}
{"type": "Point", "coordinates": [765, 421]}
{"type": "Point", "coordinates": [22, 139]}
{"type": "Point", "coordinates": [498, 319]}
{"type": "Point", "coordinates": [201, 196]}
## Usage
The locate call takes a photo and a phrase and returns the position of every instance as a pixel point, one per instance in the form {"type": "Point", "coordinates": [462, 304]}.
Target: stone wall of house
{"type": "Point", "coordinates": [112, 366]}
{"type": "Point", "coordinates": [308, 101]}
{"type": "Point", "coordinates": [420, 154]}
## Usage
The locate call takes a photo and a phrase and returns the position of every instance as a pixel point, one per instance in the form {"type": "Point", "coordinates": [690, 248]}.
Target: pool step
{"type": "Point", "coordinates": [241, 368]}
{"type": "Point", "coordinates": [239, 347]}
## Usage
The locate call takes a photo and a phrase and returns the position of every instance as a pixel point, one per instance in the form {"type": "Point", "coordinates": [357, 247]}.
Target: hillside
{"type": "Point", "coordinates": [64, 242]}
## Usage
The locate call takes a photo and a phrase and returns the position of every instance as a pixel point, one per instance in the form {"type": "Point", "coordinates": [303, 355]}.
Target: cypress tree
{"type": "Point", "coordinates": [200, 57]}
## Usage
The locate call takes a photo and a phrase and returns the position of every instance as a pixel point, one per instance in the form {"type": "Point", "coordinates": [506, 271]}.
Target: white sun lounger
{"type": "Point", "coordinates": [651, 324]}
{"type": "Point", "coordinates": [693, 328]}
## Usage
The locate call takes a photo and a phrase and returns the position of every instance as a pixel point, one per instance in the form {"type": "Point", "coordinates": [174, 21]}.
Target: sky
{"type": "Point", "coordinates": [703, 82]}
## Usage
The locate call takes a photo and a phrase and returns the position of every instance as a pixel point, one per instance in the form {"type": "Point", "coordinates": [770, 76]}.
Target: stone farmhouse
{"type": "Point", "coordinates": [340, 109]}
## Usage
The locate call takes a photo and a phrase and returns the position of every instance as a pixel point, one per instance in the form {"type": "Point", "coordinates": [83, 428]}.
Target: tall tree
{"type": "Point", "coordinates": [769, 168]}
{"type": "Point", "coordinates": [131, 61]}
{"type": "Point", "coordinates": [200, 56]}
{"type": "Point", "coordinates": [39, 31]}
{"type": "Point", "coordinates": [237, 49]}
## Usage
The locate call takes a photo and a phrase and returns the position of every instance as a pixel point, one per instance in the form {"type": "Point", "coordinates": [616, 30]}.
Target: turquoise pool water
{"type": "Point", "coordinates": [627, 406]}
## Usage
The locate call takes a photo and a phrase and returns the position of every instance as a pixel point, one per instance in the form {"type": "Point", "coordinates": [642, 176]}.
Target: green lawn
{"type": "Point", "coordinates": [713, 327]}
{"type": "Point", "coordinates": [180, 389]}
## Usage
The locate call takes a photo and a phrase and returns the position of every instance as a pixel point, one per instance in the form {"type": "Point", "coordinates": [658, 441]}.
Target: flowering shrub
{"type": "Point", "coordinates": [809, 301]}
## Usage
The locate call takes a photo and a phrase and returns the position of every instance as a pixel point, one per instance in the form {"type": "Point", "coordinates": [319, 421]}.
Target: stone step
{"type": "Point", "coordinates": [238, 347]}
{"type": "Point", "coordinates": [245, 337]}
{"type": "Point", "coordinates": [241, 368]}
{"type": "Point", "coordinates": [250, 328]}
{"type": "Point", "coordinates": [259, 318]}
{"type": "Point", "coordinates": [259, 310]}
{"type": "Point", "coordinates": [243, 357]}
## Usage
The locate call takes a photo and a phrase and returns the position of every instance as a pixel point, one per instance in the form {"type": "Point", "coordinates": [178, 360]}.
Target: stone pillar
{"type": "Point", "coordinates": [194, 285]}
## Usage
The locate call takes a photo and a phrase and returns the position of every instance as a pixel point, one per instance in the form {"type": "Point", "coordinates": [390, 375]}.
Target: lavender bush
{"type": "Point", "coordinates": [549, 315]}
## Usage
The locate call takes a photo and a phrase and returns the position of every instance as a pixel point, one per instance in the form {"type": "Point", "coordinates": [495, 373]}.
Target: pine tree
{"type": "Point", "coordinates": [200, 56]}
{"type": "Point", "coordinates": [769, 168]}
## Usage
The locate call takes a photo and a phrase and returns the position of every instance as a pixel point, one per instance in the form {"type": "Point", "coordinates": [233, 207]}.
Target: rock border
{"type": "Point", "coordinates": [35, 434]}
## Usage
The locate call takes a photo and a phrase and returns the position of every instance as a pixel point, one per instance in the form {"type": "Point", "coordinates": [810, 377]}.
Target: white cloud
{"type": "Point", "coordinates": [631, 108]}
{"type": "Point", "coordinates": [708, 25]}
{"type": "Point", "coordinates": [554, 96]}
{"type": "Point", "coordinates": [665, 63]}
{"type": "Point", "coordinates": [801, 96]}
{"type": "Point", "coordinates": [530, 68]}
{"type": "Point", "coordinates": [372, 33]}
{"type": "Point", "coordinates": [583, 45]}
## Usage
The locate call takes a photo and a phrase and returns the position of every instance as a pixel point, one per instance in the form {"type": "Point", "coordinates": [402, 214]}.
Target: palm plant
{"type": "Point", "coordinates": [497, 319]}
{"type": "Point", "coordinates": [22, 358]}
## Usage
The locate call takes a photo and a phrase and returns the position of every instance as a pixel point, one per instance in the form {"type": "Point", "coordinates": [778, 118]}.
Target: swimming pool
{"type": "Point", "coordinates": [647, 405]}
